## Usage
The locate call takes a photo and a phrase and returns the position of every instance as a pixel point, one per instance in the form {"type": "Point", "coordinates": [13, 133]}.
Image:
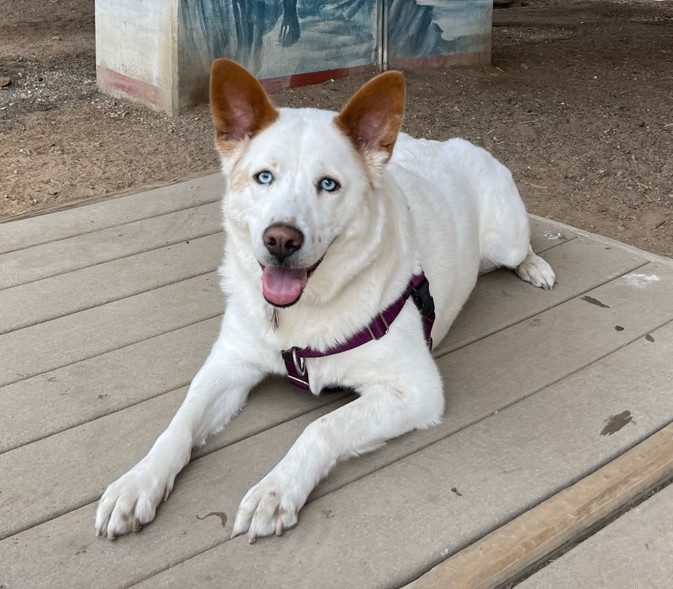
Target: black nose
{"type": "Point", "coordinates": [282, 240]}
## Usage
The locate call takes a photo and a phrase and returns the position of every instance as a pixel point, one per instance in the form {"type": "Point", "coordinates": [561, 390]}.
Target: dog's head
{"type": "Point", "coordinates": [300, 181]}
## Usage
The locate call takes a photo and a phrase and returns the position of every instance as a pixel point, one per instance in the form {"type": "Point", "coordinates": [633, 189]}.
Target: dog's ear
{"type": "Point", "coordinates": [239, 105]}
{"type": "Point", "coordinates": [373, 116]}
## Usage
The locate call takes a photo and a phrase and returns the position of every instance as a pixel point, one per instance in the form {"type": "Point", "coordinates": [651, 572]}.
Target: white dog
{"type": "Point", "coordinates": [329, 239]}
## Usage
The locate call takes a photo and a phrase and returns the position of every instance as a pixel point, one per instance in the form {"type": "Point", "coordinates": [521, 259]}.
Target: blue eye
{"type": "Point", "coordinates": [264, 177]}
{"type": "Point", "coordinates": [328, 185]}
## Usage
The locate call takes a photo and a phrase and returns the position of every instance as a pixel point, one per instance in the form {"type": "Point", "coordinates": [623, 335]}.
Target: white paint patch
{"type": "Point", "coordinates": [558, 235]}
{"type": "Point", "coordinates": [641, 280]}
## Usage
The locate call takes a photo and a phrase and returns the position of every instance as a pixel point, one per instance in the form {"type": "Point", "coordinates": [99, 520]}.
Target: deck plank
{"type": "Point", "coordinates": [25, 233]}
{"type": "Point", "coordinates": [546, 234]}
{"type": "Point", "coordinates": [51, 345]}
{"type": "Point", "coordinates": [50, 298]}
{"type": "Point", "coordinates": [87, 249]}
{"type": "Point", "coordinates": [56, 400]}
{"type": "Point", "coordinates": [636, 546]}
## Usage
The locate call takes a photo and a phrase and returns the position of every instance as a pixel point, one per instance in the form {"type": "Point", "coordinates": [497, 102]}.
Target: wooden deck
{"type": "Point", "coordinates": [108, 310]}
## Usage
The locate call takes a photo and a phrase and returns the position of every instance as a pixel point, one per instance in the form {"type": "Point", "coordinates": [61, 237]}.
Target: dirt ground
{"type": "Point", "coordinates": [578, 102]}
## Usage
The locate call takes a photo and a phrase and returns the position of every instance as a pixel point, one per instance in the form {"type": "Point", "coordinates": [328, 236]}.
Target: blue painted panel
{"type": "Point", "coordinates": [424, 28]}
{"type": "Point", "coordinates": [280, 37]}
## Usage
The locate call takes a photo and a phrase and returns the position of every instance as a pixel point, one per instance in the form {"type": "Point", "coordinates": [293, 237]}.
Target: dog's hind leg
{"type": "Point", "coordinates": [528, 266]}
{"type": "Point", "coordinates": [505, 240]}
{"type": "Point", "coordinates": [532, 268]}
{"type": "Point", "coordinates": [536, 271]}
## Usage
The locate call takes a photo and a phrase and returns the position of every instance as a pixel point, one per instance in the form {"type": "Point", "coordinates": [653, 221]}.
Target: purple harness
{"type": "Point", "coordinates": [418, 289]}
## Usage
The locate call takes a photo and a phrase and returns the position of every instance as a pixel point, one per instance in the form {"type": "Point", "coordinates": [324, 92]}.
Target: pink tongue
{"type": "Point", "coordinates": [283, 286]}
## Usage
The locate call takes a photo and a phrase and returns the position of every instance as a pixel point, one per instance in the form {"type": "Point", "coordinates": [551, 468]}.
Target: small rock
{"type": "Point", "coordinates": [4, 81]}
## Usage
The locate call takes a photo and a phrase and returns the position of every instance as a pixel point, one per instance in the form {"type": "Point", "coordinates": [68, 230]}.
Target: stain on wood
{"type": "Point", "coordinates": [594, 301]}
{"type": "Point", "coordinates": [220, 514]}
{"type": "Point", "coordinates": [616, 422]}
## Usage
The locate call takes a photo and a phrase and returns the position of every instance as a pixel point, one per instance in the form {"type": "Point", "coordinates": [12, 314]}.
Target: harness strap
{"type": "Point", "coordinates": [419, 291]}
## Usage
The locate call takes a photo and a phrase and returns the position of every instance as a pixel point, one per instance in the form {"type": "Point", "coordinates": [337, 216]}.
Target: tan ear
{"type": "Point", "coordinates": [373, 116]}
{"type": "Point", "coordinates": [239, 105]}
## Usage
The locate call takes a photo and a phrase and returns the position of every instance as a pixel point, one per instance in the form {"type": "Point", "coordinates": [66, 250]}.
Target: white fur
{"type": "Point", "coordinates": [449, 208]}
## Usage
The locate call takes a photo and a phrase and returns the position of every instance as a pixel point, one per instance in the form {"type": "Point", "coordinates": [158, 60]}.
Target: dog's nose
{"type": "Point", "coordinates": [282, 240]}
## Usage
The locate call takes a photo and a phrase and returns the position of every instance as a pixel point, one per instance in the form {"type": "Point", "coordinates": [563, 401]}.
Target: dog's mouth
{"type": "Point", "coordinates": [282, 286]}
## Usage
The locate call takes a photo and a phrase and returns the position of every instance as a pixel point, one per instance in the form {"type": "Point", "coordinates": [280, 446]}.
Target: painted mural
{"type": "Point", "coordinates": [274, 38]}
{"type": "Point", "coordinates": [427, 28]}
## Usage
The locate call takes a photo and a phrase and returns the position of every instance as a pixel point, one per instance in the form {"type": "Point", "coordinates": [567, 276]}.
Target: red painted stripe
{"type": "Point", "coordinates": [293, 81]}
{"type": "Point", "coordinates": [149, 94]}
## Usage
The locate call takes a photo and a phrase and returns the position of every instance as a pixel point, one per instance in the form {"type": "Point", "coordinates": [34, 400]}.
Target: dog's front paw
{"type": "Point", "coordinates": [270, 507]}
{"type": "Point", "coordinates": [131, 501]}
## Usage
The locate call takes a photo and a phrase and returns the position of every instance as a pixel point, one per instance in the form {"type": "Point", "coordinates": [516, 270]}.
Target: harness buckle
{"type": "Point", "coordinates": [381, 319]}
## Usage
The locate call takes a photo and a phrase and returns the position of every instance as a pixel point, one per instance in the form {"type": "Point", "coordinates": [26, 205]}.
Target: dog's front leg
{"type": "Point", "coordinates": [381, 413]}
{"type": "Point", "coordinates": [216, 394]}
